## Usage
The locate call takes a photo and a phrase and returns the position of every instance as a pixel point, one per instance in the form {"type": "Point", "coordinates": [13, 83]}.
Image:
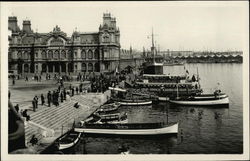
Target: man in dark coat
{"type": "Point", "coordinates": [49, 98]}
{"type": "Point", "coordinates": [42, 99]}
{"type": "Point", "coordinates": [61, 96]}
{"type": "Point", "coordinates": [64, 94]}
{"type": "Point", "coordinates": [36, 102]}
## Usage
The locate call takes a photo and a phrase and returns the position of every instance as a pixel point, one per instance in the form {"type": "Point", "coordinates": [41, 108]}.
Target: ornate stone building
{"type": "Point", "coordinates": [54, 52]}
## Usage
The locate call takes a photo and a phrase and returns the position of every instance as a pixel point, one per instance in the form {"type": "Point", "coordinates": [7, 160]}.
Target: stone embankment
{"type": "Point", "coordinates": [50, 123]}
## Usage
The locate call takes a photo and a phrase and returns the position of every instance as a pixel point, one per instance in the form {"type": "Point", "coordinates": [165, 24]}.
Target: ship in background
{"type": "Point", "coordinates": [153, 79]}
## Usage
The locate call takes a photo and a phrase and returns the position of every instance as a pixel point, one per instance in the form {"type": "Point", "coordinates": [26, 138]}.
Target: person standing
{"type": "Point", "coordinates": [64, 94]}
{"type": "Point", "coordinates": [34, 105]}
{"type": "Point", "coordinates": [36, 102]}
{"type": "Point", "coordinates": [77, 90]}
{"type": "Point", "coordinates": [13, 81]}
{"type": "Point", "coordinates": [61, 96]}
{"type": "Point", "coordinates": [42, 99]}
{"type": "Point", "coordinates": [57, 98]}
{"type": "Point", "coordinates": [80, 86]}
{"type": "Point", "coordinates": [49, 98]}
{"type": "Point", "coordinates": [73, 91]}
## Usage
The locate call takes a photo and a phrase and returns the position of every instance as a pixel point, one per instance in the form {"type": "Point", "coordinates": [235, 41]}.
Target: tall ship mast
{"type": "Point", "coordinates": [155, 81]}
{"type": "Point", "coordinates": [153, 67]}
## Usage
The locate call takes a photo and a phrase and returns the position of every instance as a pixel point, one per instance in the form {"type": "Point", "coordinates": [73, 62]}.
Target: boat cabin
{"type": "Point", "coordinates": [154, 68]}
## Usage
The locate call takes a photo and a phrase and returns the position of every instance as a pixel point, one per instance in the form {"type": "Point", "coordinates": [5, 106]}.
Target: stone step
{"type": "Point", "coordinates": [51, 112]}
{"type": "Point", "coordinates": [66, 113]}
{"type": "Point", "coordinates": [58, 119]}
{"type": "Point", "coordinates": [29, 132]}
{"type": "Point", "coordinates": [48, 109]}
{"type": "Point", "coordinates": [47, 121]}
{"type": "Point", "coordinates": [69, 115]}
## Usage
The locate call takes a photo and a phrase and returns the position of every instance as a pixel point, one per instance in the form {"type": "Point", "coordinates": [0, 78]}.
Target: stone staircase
{"type": "Point", "coordinates": [47, 121]}
{"type": "Point", "coordinates": [53, 118]}
{"type": "Point", "coordinates": [29, 131]}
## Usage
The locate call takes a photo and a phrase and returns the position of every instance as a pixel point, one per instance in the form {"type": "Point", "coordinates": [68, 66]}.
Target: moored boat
{"type": "Point", "coordinates": [202, 101]}
{"type": "Point", "coordinates": [134, 102]}
{"type": "Point", "coordinates": [135, 129]}
{"type": "Point", "coordinates": [209, 96]}
{"type": "Point", "coordinates": [110, 116]}
{"type": "Point", "coordinates": [68, 140]}
{"type": "Point", "coordinates": [217, 98]}
{"type": "Point", "coordinates": [109, 107]}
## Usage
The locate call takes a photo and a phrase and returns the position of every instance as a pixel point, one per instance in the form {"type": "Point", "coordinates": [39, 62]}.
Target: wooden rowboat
{"type": "Point", "coordinates": [68, 140]}
{"type": "Point", "coordinates": [126, 102]}
{"type": "Point", "coordinates": [109, 107]}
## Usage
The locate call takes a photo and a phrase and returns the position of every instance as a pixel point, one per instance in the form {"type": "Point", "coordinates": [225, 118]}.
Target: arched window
{"type": "Point", "coordinates": [97, 67]}
{"type": "Point", "coordinates": [19, 54]}
{"type": "Point", "coordinates": [26, 68]}
{"type": "Point", "coordinates": [63, 54]}
{"type": "Point", "coordinates": [44, 54]}
{"type": "Point", "coordinates": [90, 67]}
{"type": "Point", "coordinates": [50, 54]}
{"type": "Point", "coordinates": [83, 54]}
{"type": "Point", "coordinates": [44, 68]}
{"type": "Point", "coordinates": [26, 55]}
{"type": "Point", "coordinates": [75, 56]}
{"type": "Point", "coordinates": [90, 54]}
{"type": "Point", "coordinates": [69, 54]}
{"type": "Point", "coordinates": [56, 54]}
{"type": "Point", "coordinates": [96, 54]}
{"type": "Point", "coordinates": [84, 67]}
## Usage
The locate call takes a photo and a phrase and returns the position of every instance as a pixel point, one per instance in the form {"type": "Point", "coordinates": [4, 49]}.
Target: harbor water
{"type": "Point", "coordinates": [202, 130]}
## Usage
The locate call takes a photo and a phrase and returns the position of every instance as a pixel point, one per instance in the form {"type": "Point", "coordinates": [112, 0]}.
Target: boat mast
{"type": "Point", "coordinates": [177, 91]}
{"type": "Point", "coordinates": [153, 46]}
{"type": "Point", "coordinates": [198, 78]}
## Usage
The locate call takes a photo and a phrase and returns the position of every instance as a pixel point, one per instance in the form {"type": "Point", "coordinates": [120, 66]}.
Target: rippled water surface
{"type": "Point", "coordinates": [202, 134]}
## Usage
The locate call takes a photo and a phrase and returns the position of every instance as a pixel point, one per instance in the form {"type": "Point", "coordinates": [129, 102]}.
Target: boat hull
{"type": "Point", "coordinates": [173, 129]}
{"type": "Point", "coordinates": [222, 101]}
{"type": "Point", "coordinates": [136, 103]}
{"type": "Point", "coordinates": [64, 146]}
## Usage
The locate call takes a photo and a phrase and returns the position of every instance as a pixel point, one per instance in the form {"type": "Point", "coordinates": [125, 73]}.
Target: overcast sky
{"type": "Point", "coordinates": [177, 25]}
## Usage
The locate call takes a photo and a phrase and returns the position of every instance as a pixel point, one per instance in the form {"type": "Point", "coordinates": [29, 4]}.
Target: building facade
{"type": "Point", "coordinates": [54, 52]}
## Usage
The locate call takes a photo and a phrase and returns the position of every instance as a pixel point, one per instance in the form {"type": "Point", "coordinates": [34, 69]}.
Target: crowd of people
{"type": "Point", "coordinates": [97, 83]}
